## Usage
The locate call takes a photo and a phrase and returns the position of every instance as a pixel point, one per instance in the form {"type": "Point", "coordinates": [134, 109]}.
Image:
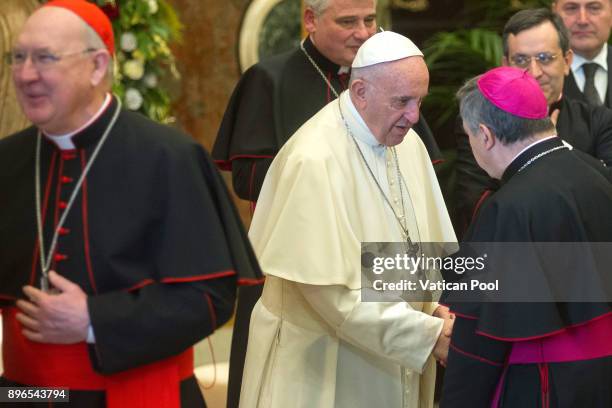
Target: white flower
{"type": "Point", "coordinates": [133, 99]}
{"type": "Point", "coordinates": [150, 80]}
{"type": "Point", "coordinates": [133, 69]}
{"type": "Point", "coordinates": [128, 42]}
{"type": "Point", "coordinates": [153, 7]}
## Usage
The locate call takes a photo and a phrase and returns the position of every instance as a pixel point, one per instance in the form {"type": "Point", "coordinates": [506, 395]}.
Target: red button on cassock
{"type": "Point", "coordinates": [66, 179]}
{"type": "Point", "coordinates": [62, 205]}
{"type": "Point", "coordinates": [60, 257]}
{"type": "Point", "coordinates": [64, 231]}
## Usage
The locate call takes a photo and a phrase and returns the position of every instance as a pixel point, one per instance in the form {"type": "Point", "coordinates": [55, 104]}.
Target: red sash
{"type": "Point", "coordinates": [68, 366]}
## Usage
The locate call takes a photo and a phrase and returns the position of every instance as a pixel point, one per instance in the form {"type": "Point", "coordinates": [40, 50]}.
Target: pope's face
{"type": "Point", "coordinates": [589, 23]}
{"type": "Point", "coordinates": [393, 101]}
{"type": "Point", "coordinates": [52, 80]}
{"type": "Point", "coordinates": [540, 41]}
{"type": "Point", "coordinates": [341, 28]}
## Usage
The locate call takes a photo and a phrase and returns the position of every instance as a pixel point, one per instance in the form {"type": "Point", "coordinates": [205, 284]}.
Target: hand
{"type": "Point", "coordinates": [440, 350]}
{"type": "Point", "coordinates": [443, 312]}
{"type": "Point", "coordinates": [60, 318]}
{"type": "Point", "coordinates": [554, 117]}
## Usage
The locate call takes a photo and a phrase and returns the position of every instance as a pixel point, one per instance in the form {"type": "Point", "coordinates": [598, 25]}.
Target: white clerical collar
{"type": "Point", "coordinates": [64, 142]}
{"type": "Point", "coordinates": [344, 70]}
{"type": "Point", "coordinates": [600, 59]}
{"type": "Point", "coordinates": [569, 146]}
{"type": "Point", "coordinates": [354, 120]}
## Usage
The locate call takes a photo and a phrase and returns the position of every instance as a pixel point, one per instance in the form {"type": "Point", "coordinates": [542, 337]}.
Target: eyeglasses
{"type": "Point", "coordinates": [40, 59]}
{"type": "Point", "coordinates": [542, 58]}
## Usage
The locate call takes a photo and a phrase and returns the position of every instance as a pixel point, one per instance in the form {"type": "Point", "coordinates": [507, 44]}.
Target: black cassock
{"type": "Point", "coordinates": [152, 238]}
{"type": "Point", "coordinates": [586, 128]}
{"type": "Point", "coordinates": [271, 101]}
{"type": "Point", "coordinates": [562, 196]}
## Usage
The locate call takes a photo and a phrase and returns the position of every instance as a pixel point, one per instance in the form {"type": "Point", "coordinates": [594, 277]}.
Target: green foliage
{"type": "Point", "coordinates": [455, 56]}
{"type": "Point", "coordinates": [153, 24]}
{"type": "Point", "coordinates": [144, 63]}
{"type": "Point", "coordinates": [452, 57]}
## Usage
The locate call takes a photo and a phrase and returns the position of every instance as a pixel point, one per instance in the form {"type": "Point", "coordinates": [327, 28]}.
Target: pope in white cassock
{"type": "Point", "coordinates": [355, 172]}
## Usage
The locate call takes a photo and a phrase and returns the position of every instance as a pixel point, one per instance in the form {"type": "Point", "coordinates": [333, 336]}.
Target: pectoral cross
{"type": "Point", "coordinates": [413, 247]}
{"type": "Point", "coordinates": [44, 283]}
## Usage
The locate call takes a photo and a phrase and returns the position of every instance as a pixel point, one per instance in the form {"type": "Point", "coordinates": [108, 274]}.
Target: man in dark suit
{"type": "Point", "coordinates": [589, 23]}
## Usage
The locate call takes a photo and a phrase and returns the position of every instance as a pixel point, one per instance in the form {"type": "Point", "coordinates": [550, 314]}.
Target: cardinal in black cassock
{"type": "Point", "coordinates": [131, 217]}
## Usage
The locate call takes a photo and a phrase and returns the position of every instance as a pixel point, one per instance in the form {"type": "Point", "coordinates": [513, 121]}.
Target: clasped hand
{"type": "Point", "coordinates": [440, 350]}
{"type": "Point", "coordinates": [60, 318]}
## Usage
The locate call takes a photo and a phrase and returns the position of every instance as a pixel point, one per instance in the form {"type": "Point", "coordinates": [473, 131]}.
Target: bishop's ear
{"type": "Point", "coordinates": [486, 136]}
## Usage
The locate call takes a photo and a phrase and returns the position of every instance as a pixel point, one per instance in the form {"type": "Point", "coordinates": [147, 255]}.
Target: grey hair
{"type": "Point", "coordinates": [93, 41]}
{"type": "Point", "coordinates": [475, 109]}
{"type": "Point", "coordinates": [318, 6]}
{"type": "Point", "coordinates": [526, 19]}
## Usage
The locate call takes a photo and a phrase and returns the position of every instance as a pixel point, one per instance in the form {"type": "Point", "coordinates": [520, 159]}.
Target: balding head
{"type": "Point", "coordinates": [59, 75]}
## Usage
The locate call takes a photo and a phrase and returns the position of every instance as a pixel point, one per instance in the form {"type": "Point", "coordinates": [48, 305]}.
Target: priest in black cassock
{"type": "Point", "coordinates": [276, 96]}
{"type": "Point", "coordinates": [538, 354]}
{"type": "Point", "coordinates": [119, 245]}
{"type": "Point", "coordinates": [536, 40]}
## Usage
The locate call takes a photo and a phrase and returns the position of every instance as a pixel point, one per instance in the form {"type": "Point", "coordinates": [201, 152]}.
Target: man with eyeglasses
{"type": "Point", "coordinates": [119, 244]}
{"type": "Point", "coordinates": [589, 23]}
{"type": "Point", "coordinates": [536, 40]}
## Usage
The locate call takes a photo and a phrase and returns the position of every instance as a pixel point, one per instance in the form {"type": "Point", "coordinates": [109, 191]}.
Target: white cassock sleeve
{"type": "Point", "coordinates": [392, 330]}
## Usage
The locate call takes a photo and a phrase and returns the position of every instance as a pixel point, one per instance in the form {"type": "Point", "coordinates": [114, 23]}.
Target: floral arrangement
{"type": "Point", "coordinates": [143, 30]}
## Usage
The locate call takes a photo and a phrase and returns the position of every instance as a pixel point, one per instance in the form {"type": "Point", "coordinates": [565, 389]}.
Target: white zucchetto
{"type": "Point", "coordinates": [385, 46]}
